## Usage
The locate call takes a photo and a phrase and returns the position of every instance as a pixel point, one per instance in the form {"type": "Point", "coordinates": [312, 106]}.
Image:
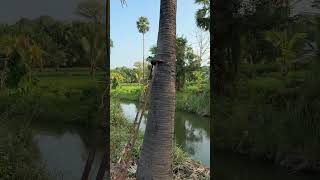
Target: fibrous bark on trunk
{"type": "Point", "coordinates": [156, 156]}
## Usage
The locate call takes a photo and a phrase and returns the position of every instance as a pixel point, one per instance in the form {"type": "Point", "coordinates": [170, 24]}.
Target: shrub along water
{"type": "Point", "coordinates": [273, 118]}
{"type": "Point", "coordinates": [60, 99]}
{"type": "Point", "coordinates": [192, 98]}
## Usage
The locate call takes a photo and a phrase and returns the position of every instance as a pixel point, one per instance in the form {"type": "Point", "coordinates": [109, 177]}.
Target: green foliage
{"type": "Point", "coordinates": [187, 62]}
{"type": "Point", "coordinates": [70, 99]}
{"type": "Point", "coordinates": [288, 44]}
{"type": "Point", "coordinates": [119, 127]}
{"type": "Point", "coordinates": [203, 14]}
{"type": "Point", "coordinates": [114, 83]}
{"type": "Point", "coordinates": [16, 70]}
{"type": "Point", "coordinates": [192, 98]}
{"type": "Point", "coordinates": [179, 156]}
{"type": "Point", "coordinates": [52, 43]}
{"type": "Point", "coordinates": [18, 159]}
{"type": "Point", "coordinates": [272, 115]}
{"type": "Point", "coordinates": [127, 91]}
{"type": "Point", "coordinates": [91, 9]}
{"type": "Point", "coordinates": [143, 25]}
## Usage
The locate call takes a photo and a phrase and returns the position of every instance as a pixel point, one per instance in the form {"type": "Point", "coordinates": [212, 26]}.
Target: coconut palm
{"type": "Point", "coordinates": [289, 46]}
{"type": "Point", "coordinates": [143, 27]}
{"type": "Point", "coordinates": [156, 155]}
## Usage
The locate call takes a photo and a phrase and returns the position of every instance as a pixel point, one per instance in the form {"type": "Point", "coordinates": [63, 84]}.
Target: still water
{"type": "Point", "coordinates": [192, 132]}
{"type": "Point", "coordinates": [64, 150]}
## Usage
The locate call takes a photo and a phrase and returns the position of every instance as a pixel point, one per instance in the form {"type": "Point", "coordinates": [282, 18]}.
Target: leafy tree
{"type": "Point", "coordinates": [203, 14]}
{"type": "Point", "coordinates": [143, 27]}
{"type": "Point", "coordinates": [94, 48]}
{"type": "Point", "coordinates": [92, 10]}
{"type": "Point", "coordinates": [36, 55]}
{"type": "Point", "coordinates": [15, 65]}
{"type": "Point", "coordinates": [129, 75]}
{"type": "Point", "coordinates": [93, 44]}
{"type": "Point", "coordinates": [288, 44]}
{"type": "Point", "coordinates": [186, 60]}
{"type": "Point", "coordinates": [139, 69]}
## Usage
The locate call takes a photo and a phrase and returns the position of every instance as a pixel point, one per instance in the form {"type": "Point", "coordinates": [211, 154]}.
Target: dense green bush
{"type": "Point", "coordinates": [18, 157]}
{"type": "Point", "coordinates": [16, 70]}
{"type": "Point", "coordinates": [271, 117]}
{"type": "Point", "coordinates": [191, 98]}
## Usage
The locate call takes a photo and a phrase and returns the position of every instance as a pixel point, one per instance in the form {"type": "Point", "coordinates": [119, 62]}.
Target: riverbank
{"type": "Point", "coordinates": [19, 158]}
{"type": "Point", "coordinates": [69, 96]}
{"type": "Point", "coordinates": [65, 97]}
{"type": "Point", "coordinates": [192, 98]}
{"type": "Point", "coordinates": [184, 166]}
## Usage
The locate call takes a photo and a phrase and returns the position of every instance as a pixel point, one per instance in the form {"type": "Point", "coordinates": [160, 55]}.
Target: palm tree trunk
{"type": "Point", "coordinates": [143, 57]}
{"type": "Point", "coordinates": [156, 156]}
{"type": "Point", "coordinates": [105, 163]}
{"type": "Point", "coordinates": [91, 155]}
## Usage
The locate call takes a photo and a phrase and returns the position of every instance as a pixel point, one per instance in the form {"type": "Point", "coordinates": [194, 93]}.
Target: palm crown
{"type": "Point", "coordinates": [143, 25]}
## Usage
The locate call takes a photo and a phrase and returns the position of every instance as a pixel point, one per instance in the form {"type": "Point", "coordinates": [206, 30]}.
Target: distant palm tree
{"type": "Point", "coordinates": [143, 27]}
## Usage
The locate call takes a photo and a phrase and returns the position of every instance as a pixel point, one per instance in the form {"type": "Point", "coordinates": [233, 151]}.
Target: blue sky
{"type": "Point", "coordinates": [128, 41]}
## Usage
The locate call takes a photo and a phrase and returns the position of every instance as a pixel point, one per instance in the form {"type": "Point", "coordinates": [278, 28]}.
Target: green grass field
{"type": "Point", "coordinates": [68, 96]}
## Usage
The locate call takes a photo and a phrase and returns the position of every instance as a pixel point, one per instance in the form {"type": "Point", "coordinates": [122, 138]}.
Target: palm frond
{"type": "Point", "coordinates": [297, 40]}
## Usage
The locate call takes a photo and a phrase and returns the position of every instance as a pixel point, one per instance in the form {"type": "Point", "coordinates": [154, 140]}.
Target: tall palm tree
{"type": "Point", "coordinates": [156, 155]}
{"type": "Point", "coordinates": [143, 27]}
